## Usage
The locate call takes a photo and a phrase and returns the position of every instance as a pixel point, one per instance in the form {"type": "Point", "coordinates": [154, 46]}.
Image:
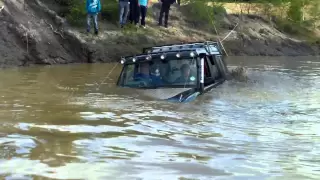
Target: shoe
{"type": "Point", "coordinates": [96, 32]}
{"type": "Point", "coordinates": [143, 27]}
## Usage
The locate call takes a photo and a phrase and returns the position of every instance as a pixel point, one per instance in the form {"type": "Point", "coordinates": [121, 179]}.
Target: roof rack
{"type": "Point", "coordinates": [150, 56]}
{"type": "Point", "coordinates": [160, 53]}
{"type": "Point", "coordinates": [208, 47]}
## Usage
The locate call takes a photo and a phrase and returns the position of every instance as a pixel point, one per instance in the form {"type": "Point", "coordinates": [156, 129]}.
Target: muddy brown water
{"type": "Point", "coordinates": [70, 122]}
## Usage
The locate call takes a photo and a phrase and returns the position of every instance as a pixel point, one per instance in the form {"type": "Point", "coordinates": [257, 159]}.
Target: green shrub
{"type": "Point", "coordinates": [219, 10]}
{"type": "Point", "coordinates": [287, 27]}
{"type": "Point", "coordinates": [293, 28]}
{"type": "Point", "coordinates": [65, 2]}
{"type": "Point", "coordinates": [110, 10]}
{"type": "Point", "coordinates": [204, 13]}
{"type": "Point", "coordinates": [200, 11]}
{"type": "Point", "coordinates": [295, 13]}
{"type": "Point", "coordinates": [77, 13]}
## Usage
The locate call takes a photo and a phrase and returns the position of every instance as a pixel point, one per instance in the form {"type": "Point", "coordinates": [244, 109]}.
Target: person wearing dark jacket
{"type": "Point", "coordinates": [165, 8]}
{"type": "Point", "coordinates": [134, 11]}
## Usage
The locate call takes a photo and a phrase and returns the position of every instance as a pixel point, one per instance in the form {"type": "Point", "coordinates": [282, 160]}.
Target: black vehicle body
{"type": "Point", "coordinates": [205, 58]}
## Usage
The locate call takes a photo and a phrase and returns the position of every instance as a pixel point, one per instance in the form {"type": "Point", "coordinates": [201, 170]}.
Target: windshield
{"type": "Point", "coordinates": [153, 74]}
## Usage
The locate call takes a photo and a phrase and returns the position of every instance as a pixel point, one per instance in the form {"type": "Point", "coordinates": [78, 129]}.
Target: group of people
{"type": "Point", "coordinates": [145, 75]}
{"type": "Point", "coordinates": [132, 10]}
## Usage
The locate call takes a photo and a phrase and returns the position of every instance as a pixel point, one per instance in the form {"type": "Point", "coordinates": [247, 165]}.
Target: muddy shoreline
{"type": "Point", "coordinates": [32, 33]}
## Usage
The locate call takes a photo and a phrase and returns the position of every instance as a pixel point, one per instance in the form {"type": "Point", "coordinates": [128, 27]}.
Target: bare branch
{"type": "Point", "coordinates": [54, 31]}
{"type": "Point", "coordinates": [229, 33]}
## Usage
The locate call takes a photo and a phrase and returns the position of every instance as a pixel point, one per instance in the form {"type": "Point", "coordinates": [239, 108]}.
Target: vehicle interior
{"type": "Point", "coordinates": [170, 73]}
{"type": "Point", "coordinates": [211, 73]}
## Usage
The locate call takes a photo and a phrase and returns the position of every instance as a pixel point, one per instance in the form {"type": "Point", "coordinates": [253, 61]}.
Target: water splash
{"type": "Point", "coordinates": [239, 74]}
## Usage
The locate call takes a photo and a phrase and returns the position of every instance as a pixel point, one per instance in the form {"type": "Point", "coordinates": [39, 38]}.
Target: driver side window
{"type": "Point", "coordinates": [129, 72]}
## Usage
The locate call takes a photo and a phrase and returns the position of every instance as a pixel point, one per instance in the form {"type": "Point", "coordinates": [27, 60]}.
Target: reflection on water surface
{"type": "Point", "coordinates": [61, 122]}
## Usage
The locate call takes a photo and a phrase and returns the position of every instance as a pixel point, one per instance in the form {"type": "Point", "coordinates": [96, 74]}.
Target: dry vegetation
{"type": "Point", "coordinates": [279, 12]}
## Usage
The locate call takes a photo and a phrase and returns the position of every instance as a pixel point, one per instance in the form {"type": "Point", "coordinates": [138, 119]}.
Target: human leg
{"type": "Point", "coordinates": [88, 22]}
{"type": "Point", "coordinates": [121, 11]}
{"type": "Point", "coordinates": [125, 13]}
{"type": "Point", "coordinates": [95, 20]}
{"type": "Point", "coordinates": [161, 14]}
{"type": "Point", "coordinates": [143, 11]}
{"type": "Point", "coordinates": [166, 16]}
{"type": "Point", "coordinates": [137, 14]}
{"type": "Point", "coordinates": [130, 18]}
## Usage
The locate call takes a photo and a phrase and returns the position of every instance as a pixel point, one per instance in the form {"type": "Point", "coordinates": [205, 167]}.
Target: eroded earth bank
{"type": "Point", "coordinates": [32, 33]}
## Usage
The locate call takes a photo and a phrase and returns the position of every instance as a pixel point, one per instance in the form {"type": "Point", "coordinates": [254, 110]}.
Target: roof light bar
{"type": "Point", "coordinates": [149, 57]}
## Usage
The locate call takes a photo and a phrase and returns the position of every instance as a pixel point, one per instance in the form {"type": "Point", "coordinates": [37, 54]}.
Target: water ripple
{"type": "Point", "coordinates": [266, 128]}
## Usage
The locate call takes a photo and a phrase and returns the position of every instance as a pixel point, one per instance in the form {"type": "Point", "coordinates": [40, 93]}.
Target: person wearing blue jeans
{"type": "Point", "coordinates": [93, 8]}
{"type": "Point", "coordinates": [124, 11]}
{"type": "Point", "coordinates": [143, 11]}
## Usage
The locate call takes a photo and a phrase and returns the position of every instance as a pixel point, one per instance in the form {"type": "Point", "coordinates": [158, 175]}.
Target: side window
{"type": "Point", "coordinates": [213, 67]}
{"type": "Point", "coordinates": [129, 71]}
{"type": "Point", "coordinates": [223, 68]}
{"type": "Point", "coordinates": [211, 60]}
{"type": "Point", "coordinates": [207, 67]}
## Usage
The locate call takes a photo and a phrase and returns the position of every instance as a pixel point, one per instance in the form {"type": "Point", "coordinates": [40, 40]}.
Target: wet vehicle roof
{"type": "Point", "coordinates": [176, 50]}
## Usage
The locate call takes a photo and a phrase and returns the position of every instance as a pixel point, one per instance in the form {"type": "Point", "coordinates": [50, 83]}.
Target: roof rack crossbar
{"type": "Point", "coordinates": [185, 46]}
{"type": "Point", "coordinates": [155, 53]}
{"type": "Point", "coordinates": [181, 45]}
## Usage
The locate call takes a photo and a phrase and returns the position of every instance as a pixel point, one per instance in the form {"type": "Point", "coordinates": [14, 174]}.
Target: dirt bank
{"type": "Point", "coordinates": [32, 33]}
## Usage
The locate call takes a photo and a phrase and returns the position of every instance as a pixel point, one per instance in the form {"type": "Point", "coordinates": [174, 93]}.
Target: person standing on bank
{"type": "Point", "coordinates": [143, 11]}
{"type": "Point", "coordinates": [165, 8]}
{"type": "Point", "coordinates": [124, 10]}
{"type": "Point", "coordinates": [134, 11]}
{"type": "Point", "coordinates": [93, 8]}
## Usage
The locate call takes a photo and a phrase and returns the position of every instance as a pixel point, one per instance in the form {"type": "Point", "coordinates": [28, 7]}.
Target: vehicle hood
{"type": "Point", "coordinates": [164, 93]}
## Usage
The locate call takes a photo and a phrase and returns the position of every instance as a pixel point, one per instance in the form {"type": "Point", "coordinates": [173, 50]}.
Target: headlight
{"type": "Point", "coordinates": [163, 56]}
{"type": "Point", "coordinates": [123, 60]}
